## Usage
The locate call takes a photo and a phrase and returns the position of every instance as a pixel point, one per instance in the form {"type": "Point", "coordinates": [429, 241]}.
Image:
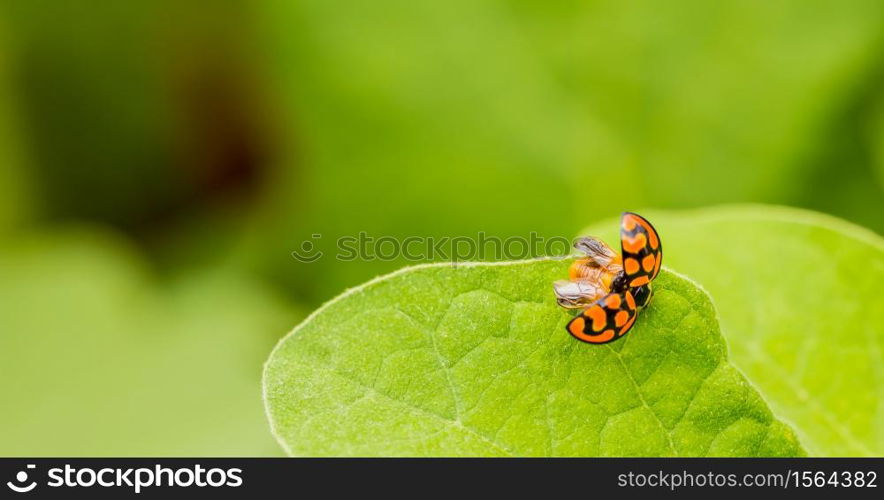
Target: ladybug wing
{"type": "Point", "coordinates": [598, 252]}
{"type": "Point", "coordinates": [640, 248]}
{"type": "Point", "coordinates": [608, 319]}
{"type": "Point", "coordinates": [577, 294]}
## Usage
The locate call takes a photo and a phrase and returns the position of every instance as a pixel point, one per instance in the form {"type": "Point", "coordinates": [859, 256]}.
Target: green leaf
{"type": "Point", "coordinates": [475, 360]}
{"type": "Point", "coordinates": [98, 358]}
{"type": "Point", "coordinates": [799, 295]}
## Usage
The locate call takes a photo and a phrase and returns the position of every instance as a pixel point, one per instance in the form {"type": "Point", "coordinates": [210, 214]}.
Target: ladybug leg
{"type": "Point", "coordinates": [643, 295]}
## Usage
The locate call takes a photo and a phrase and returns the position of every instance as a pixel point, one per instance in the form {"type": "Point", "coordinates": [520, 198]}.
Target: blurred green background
{"type": "Point", "coordinates": [160, 161]}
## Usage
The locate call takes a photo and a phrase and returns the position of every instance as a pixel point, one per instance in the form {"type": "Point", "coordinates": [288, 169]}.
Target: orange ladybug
{"type": "Point", "coordinates": [611, 288]}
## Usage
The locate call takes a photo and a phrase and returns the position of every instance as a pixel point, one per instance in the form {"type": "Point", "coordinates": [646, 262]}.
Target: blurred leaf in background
{"type": "Point", "coordinates": [98, 358]}
{"type": "Point", "coordinates": [717, 101]}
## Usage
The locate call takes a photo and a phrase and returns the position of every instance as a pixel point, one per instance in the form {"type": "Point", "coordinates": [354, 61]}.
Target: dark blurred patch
{"type": "Point", "coordinates": [141, 113]}
{"type": "Point", "coordinates": [841, 177]}
{"type": "Point", "coordinates": [221, 147]}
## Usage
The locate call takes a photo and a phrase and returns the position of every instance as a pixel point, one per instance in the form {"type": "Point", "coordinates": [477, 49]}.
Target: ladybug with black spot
{"type": "Point", "coordinates": [611, 288]}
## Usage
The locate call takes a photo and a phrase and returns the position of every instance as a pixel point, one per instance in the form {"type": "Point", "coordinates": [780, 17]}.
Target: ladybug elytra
{"type": "Point", "coordinates": [611, 288]}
